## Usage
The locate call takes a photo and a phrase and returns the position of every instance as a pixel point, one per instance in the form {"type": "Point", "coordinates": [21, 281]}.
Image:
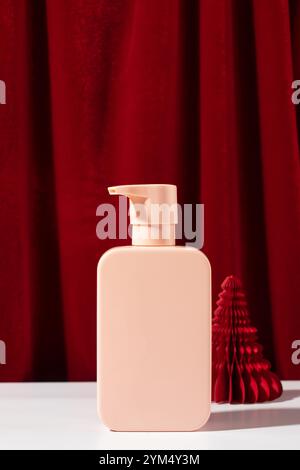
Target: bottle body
{"type": "Point", "coordinates": [154, 330]}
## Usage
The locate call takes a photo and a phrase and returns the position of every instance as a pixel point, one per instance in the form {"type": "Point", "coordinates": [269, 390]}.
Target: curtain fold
{"type": "Point", "coordinates": [102, 92]}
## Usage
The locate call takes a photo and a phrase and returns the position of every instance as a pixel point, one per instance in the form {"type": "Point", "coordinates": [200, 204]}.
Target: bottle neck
{"type": "Point", "coordinates": [153, 235]}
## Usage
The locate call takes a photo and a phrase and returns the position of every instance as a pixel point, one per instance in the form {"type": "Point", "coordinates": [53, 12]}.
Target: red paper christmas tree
{"type": "Point", "coordinates": [240, 373]}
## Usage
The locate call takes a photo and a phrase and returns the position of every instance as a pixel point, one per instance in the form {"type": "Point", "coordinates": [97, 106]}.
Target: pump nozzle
{"type": "Point", "coordinates": [153, 212]}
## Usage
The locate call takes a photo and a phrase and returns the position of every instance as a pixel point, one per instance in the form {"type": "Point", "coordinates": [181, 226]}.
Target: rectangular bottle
{"type": "Point", "coordinates": [154, 323]}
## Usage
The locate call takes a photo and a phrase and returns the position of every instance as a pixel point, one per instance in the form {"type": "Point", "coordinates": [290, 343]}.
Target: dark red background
{"type": "Point", "coordinates": [101, 92]}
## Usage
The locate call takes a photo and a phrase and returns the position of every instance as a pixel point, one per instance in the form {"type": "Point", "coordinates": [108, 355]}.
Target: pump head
{"type": "Point", "coordinates": [153, 212]}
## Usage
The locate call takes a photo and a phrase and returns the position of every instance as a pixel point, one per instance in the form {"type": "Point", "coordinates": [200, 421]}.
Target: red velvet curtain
{"type": "Point", "coordinates": [101, 92]}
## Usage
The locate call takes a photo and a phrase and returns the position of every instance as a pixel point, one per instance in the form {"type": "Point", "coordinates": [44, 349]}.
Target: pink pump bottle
{"type": "Point", "coordinates": [154, 322]}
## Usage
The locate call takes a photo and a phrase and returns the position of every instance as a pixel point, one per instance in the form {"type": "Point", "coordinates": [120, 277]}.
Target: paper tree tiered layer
{"type": "Point", "coordinates": [240, 373]}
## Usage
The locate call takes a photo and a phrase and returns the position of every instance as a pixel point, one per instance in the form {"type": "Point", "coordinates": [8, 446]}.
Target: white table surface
{"type": "Point", "coordinates": [63, 416]}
